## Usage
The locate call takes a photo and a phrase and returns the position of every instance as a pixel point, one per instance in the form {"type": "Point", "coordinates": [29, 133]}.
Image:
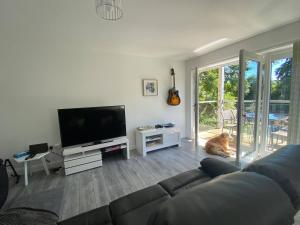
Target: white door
{"type": "Point", "coordinates": [249, 107]}
{"type": "Point", "coordinates": [276, 101]}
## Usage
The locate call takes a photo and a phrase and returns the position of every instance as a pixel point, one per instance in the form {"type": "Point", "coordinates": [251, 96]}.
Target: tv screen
{"type": "Point", "coordinates": [86, 125]}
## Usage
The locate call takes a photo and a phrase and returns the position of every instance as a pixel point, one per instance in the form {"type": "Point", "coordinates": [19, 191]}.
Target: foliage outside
{"type": "Point", "coordinates": [208, 89]}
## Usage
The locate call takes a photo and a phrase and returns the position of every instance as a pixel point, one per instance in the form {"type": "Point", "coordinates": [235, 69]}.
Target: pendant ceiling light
{"type": "Point", "coordinates": [109, 9]}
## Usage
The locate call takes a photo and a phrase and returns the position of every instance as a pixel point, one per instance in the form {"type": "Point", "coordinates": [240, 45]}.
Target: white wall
{"type": "Point", "coordinates": [274, 38]}
{"type": "Point", "coordinates": [36, 80]}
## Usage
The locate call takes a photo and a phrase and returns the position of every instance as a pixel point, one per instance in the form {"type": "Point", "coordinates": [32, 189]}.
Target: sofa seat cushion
{"type": "Point", "coordinates": [183, 181]}
{"type": "Point", "coordinates": [98, 216]}
{"type": "Point", "coordinates": [282, 166]}
{"type": "Point", "coordinates": [216, 167]}
{"type": "Point", "coordinates": [136, 208]}
{"type": "Point", "coordinates": [233, 199]}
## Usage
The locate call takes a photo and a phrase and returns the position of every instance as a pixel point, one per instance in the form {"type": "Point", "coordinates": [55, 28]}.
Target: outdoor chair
{"type": "Point", "coordinates": [229, 121]}
{"type": "Point", "coordinates": [281, 132]}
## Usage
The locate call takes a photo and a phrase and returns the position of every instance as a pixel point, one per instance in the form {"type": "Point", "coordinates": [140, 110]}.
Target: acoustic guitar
{"type": "Point", "coordinates": [173, 98]}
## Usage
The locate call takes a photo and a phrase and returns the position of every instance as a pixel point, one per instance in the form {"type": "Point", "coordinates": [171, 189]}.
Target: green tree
{"type": "Point", "coordinates": [285, 70]}
{"type": "Point", "coordinates": [250, 88]}
{"type": "Point", "coordinates": [281, 88]}
{"type": "Point", "coordinates": [208, 91]}
{"type": "Point", "coordinates": [208, 85]}
{"type": "Point", "coordinates": [231, 82]}
{"type": "Point", "coordinates": [231, 86]}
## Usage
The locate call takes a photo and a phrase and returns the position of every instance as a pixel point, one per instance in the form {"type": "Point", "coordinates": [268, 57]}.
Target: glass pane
{"type": "Point", "coordinates": [248, 146]}
{"type": "Point", "coordinates": [280, 87]}
{"type": "Point", "coordinates": [229, 111]}
{"type": "Point", "coordinates": [217, 114]}
{"type": "Point", "coordinates": [208, 105]}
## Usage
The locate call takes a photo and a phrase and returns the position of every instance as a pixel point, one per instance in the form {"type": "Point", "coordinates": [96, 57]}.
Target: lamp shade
{"type": "Point", "coordinates": [109, 9]}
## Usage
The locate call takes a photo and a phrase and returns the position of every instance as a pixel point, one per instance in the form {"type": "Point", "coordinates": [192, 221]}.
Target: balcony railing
{"type": "Point", "coordinates": [210, 118]}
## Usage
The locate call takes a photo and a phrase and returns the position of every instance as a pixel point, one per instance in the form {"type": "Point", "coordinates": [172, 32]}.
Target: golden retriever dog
{"type": "Point", "coordinates": [218, 145]}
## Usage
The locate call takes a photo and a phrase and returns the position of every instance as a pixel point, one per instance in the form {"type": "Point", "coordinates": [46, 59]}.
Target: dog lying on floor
{"type": "Point", "coordinates": [218, 145]}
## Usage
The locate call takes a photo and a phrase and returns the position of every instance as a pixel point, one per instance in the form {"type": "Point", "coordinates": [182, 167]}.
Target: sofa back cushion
{"type": "Point", "coordinates": [3, 183]}
{"type": "Point", "coordinates": [283, 166]}
{"type": "Point", "coordinates": [232, 199]}
{"type": "Point", "coordinates": [183, 181]}
{"type": "Point", "coordinates": [216, 167]}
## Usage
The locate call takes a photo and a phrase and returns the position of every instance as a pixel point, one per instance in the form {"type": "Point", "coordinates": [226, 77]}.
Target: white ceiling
{"type": "Point", "coordinates": [158, 28]}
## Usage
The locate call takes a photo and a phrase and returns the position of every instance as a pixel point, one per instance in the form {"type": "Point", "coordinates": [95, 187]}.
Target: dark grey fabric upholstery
{"type": "Point", "coordinates": [183, 181]}
{"type": "Point", "coordinates": [232, 199]}
{"type": "Point", "coordinates": [238, 198]}
{"type": "Point", "coordinates": [283, 166]}
{"type": "Point", "coordinates": [99, 216]}
{"type": "Point", "coordinates": [27, 216]}
{"type": "Point", "coordinates": [3, 183]}
{"type": "Point", "coordinates": [136, 208]}
{"type": "Point", "coordinates": [216, 167]}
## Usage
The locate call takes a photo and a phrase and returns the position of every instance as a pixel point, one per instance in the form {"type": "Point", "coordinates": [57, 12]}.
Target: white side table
{"type": "Point", "coordinates": [39, 156]}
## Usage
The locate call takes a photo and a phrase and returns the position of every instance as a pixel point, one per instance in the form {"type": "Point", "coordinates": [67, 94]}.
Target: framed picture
{"type": "Point", "coordinates": [150, 87]}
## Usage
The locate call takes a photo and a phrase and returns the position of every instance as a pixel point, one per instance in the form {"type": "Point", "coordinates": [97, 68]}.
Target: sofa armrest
{"type": "Point", "coordinates": [215, 167]}
{"type": "Point", "coordinates": [283, 167]}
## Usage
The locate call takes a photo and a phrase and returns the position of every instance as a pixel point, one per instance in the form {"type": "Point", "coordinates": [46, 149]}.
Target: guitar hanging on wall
{"type": "Point", "coordinates": [173, 98]}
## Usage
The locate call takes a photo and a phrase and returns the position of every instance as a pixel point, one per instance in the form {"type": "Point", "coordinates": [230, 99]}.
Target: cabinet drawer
{"type": "Point", "coordinates": [83, 160]}
{"type": "Point", "coordinates": [83, 167]}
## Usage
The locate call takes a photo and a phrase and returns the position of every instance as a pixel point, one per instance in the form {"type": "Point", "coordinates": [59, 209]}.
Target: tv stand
{"type": "Point", "coordinates": [81, 158]}
{"type": "Point", "coordinates": [154, 139]}
{"type": "Point", "coordinates": [106, 141]}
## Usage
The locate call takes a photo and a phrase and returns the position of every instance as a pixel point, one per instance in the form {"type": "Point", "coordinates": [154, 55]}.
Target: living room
{"type": "Point", "coordinates": [142, 61]}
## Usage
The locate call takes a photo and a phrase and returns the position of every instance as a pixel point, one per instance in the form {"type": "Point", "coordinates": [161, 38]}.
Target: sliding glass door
{"type": "Point", "coordinates": [277, 101]}
{"type": "Point", "coordinates": [216, 100]}
{"type": "Point", "coordinates": [249, 107]}
{"type": "Point", "coordinates": [250, 101]}
{"type": "Point", "coordinates": [208, 120]}
{"type": "Point", "coordinates": [263, 106]}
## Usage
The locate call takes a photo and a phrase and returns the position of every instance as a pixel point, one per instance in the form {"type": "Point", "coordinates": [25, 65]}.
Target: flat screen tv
{"type": "Point", "coordinates": [80, 126]}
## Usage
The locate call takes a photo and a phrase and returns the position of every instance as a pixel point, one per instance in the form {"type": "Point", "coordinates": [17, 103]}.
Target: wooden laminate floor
{"type": "Point", "coordinates": [81, 192]}
{"type": "Point", "coordinates": [77, 193]}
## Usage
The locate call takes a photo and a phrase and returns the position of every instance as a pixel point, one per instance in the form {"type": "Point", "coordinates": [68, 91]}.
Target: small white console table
{"type": "Point", "coordinates": [81, 158]}
{"type": "Point", "coordinates": [39, 156]}
{"type": "Point", "coordinates": [153, 139]}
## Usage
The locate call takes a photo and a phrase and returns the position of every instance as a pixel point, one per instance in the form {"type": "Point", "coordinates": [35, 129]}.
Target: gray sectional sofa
{"type": "Point", "coordinates": [267, 192]}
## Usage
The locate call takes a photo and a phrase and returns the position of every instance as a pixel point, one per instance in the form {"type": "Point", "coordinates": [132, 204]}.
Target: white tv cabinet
{"type": "Point", "coordinates": [81, 158]}
{"type": "Point", "coordinates": [153, 139]}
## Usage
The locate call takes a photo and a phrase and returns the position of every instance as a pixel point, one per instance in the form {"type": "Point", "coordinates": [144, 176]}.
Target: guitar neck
{"type": "Point", "coordinates": [173, 75]}
{"type": "Point", "coordinates": [174, 81]}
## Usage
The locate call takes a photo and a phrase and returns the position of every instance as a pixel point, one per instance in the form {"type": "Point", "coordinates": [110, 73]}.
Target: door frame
{"type": "Point", "coordinates": [269, 56]}
{"type": "Point", "coordinates": [245, 56]}
{"type": "Point", "coordinates": [266, 90]}
{"type": "Point", "coordinates": [196, 107]}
